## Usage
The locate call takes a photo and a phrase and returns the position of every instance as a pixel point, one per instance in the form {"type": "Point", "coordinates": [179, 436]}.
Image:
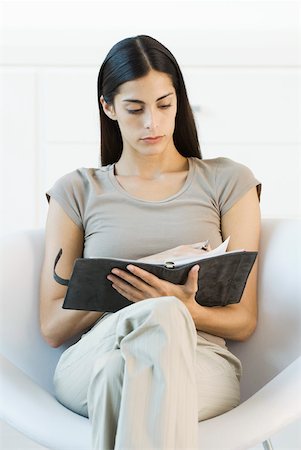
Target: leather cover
{"type": "Point", "coordinates": [221, 280]}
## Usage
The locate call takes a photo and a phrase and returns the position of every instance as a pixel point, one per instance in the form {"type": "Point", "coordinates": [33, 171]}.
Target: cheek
{"type": "Point", "coordinates": [127, 122]}
{"type": "Point", "coordinates": [130, 127]}
{"type": "Point", "coordinates": [170, 122]}
{"type": "Point", "coordinates": [132, 120]}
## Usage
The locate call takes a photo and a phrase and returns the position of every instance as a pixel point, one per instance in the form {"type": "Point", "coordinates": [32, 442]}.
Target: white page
{"type": "Point", "coordinates": [178, 260]}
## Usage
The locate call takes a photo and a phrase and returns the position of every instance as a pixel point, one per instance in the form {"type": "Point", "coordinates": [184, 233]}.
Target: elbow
{"type": "Point", "coordinates": [49, 337]}
{"type": "Point", "coordinates": [53, 343]}
{"type": "Point", "coordinates": [248, 329]}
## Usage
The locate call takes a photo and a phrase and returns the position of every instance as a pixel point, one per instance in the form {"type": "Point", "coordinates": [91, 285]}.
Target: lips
{"type": "Point", "coordinates": [152, 139]}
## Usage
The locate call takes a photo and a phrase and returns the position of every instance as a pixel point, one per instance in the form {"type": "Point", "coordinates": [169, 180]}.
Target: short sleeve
{"type": "Point", "coordinates": [68, 191]}
{"type": "Point", "coordinates": [233, 180]}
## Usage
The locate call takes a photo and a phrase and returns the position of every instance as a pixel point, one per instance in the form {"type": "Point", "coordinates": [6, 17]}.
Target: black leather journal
{"type": "Point", "coordinates": [222, 280]}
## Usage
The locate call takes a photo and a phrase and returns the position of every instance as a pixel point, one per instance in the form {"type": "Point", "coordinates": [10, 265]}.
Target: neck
{"type": "Point", "coordinates": [150, 166]}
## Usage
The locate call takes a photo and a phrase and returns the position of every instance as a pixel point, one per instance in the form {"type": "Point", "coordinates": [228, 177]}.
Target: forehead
{"type": "Point", "coordinates": [154, 84]}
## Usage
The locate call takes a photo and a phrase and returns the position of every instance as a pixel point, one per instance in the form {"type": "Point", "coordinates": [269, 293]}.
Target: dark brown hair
{"type": "Point", "coordinates": [128, 60]}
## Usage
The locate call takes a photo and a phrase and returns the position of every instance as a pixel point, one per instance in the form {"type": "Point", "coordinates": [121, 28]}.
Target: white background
{"type": "Point", "coordinates": [241, 62]}
{"type": "Point", "coordinates": [241, 66]}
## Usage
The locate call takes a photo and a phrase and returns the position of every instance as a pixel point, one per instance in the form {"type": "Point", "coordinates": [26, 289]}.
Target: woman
{"type": "Point", "coordinates": [148, 373]}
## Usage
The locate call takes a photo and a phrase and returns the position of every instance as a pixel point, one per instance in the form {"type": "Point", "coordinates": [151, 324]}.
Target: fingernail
{"type": "Point", "coordinates": [115, 271]}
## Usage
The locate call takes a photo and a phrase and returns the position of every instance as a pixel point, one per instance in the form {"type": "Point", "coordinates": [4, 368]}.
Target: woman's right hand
{"type": "Point", "coordinates": [140, 284]}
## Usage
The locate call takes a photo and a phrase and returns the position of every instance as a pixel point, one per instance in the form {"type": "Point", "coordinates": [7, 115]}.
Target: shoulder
{"type": "Point", "coordinates": [228, 179]}
{"type": "Point", "coordinates": [72, 191]}
{"type": "Point", "coordinates": [71, 187]}
{"type": "Point", "coordinates": [229, 166]}
{"type": "Point", "coordinates": [235, 174]}
{"type": "Point", "coordinates": [221, 171]}
{"type": "Point", "coordinates": [76, 176]}
{"type": "Point", "coordinates": [80, 178]}
{"type": "Point", "coordinates": [216, 166]}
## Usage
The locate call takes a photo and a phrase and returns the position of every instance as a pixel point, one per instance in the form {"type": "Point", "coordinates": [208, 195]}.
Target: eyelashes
{"type": "Point", "coordinates": [137, 111]}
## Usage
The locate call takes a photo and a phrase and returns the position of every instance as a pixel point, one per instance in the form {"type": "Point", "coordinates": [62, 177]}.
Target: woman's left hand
{"type": "Point", "coordinates": [140, 285]}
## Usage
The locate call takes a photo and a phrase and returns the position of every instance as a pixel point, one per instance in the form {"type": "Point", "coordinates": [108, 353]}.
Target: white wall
{"type": "Point", "coordinates": [240, 59]}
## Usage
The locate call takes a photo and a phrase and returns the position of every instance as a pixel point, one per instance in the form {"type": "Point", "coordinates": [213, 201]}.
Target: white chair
{"type": "Point", "coordinates": [271, 357]}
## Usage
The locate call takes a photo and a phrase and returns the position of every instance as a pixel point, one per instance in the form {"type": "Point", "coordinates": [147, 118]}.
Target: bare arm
{"type": "Point", "coordinates": [236, 322]}
{"type": "Point", "coordinates": [58, 324]}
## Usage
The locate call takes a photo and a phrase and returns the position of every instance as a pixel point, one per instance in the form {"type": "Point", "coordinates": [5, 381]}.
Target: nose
{"type": "Point", "coordinates": [150, 120]}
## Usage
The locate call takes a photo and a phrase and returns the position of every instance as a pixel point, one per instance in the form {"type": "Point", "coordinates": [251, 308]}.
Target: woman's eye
{"type": "Point", "coordinates": [137, 111]}
{"type": "Point", "coordinates": [134, 111]}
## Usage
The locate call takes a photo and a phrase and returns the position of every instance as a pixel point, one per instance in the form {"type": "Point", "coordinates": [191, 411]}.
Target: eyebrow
{"type": "Point", "coordinates": [143, 103]}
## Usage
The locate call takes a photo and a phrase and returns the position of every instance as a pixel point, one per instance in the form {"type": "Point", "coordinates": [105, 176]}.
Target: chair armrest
{"type": "Point", "coordinates": [37, 414]}
{"type": "Point", "coordinates": [270, 409]}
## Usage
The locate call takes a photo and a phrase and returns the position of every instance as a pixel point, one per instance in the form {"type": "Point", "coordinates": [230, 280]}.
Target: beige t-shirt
{"type": "Point", "coordinates": [117, 224]}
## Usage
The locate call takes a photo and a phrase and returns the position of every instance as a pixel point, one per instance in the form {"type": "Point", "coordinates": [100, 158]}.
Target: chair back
{"type": "Point", "coordinates": [20, 337]}
{"type": "Point", "coordinates": [274, 344]}
{"type": "Point", "coordinates": [276, 340]}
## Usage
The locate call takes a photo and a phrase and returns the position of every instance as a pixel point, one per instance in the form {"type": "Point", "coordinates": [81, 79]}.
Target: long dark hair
{"type": "Point", "coordinates": [128, 60]}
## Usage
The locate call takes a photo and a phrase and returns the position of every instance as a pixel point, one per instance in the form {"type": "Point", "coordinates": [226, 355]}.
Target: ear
{"type": "Point", "coordinates": [108, 108]}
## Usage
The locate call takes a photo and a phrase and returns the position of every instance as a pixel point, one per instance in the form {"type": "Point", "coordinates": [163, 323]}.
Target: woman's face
{"type": "Point", "coordinates": [145, 109]}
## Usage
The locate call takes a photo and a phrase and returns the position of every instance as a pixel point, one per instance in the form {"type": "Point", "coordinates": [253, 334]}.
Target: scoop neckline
{"type": "Point", "coordinates": [185, 186]}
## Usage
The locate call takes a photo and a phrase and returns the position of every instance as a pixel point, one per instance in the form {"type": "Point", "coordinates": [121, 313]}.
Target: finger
{"type": "Point", "coordinates": [147, 277]}
{"type": "Point", "coordinates": [122, 283]}
{"type": "Point", "coordinates": [192, 279]}
{"type": "Point", "coordinates": [127, 295]}
{"type": "Point", "coordinates": [128, 278]}
{"type": "Point", "coordinates": [126, 289]}
{"type": "Point", "coordinates": [131, 286]}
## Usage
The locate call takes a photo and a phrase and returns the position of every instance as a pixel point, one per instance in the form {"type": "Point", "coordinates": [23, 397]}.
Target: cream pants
{"type": "Point", "coordinates": [145, 377]}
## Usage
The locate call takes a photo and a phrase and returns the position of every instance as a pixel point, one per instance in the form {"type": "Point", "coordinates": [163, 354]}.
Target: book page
{"type": "Point", "coordinates": [185, 254]}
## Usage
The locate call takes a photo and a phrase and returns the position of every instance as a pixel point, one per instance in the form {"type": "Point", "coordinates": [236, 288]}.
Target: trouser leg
{"type": "Point", "coordinates": [104, 395]}
{"type": "Point", "coordinates": [142, 394]}
{"type": "Point", "coordinates": [218, 372]}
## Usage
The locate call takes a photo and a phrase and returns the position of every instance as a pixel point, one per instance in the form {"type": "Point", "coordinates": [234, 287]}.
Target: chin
{"type": "Point", "coordinates": [153, 151]}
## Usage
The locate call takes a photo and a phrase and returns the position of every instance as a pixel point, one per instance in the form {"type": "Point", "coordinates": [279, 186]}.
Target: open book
{"type": "Point", "coordinates": [185, 254]}
{"type": "Point", "coordinates": [222, 276]}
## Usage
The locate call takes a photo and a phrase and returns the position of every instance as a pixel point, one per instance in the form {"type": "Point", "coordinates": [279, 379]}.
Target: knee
{"type": "Point", "coordinates": [109, 368]}
{"type": "Point", "coordinates": [172, 311]}
{"type": "Point", "coordinates": [168, 314]}
{"type": "Point", "coordinates": [169, 306]}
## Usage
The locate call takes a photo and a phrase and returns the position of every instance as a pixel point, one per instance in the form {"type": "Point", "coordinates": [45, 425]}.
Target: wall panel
{"type": "Point", "coordinates": [239, 59]}
{"type": "Point", "coordinates": [19, 186]}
